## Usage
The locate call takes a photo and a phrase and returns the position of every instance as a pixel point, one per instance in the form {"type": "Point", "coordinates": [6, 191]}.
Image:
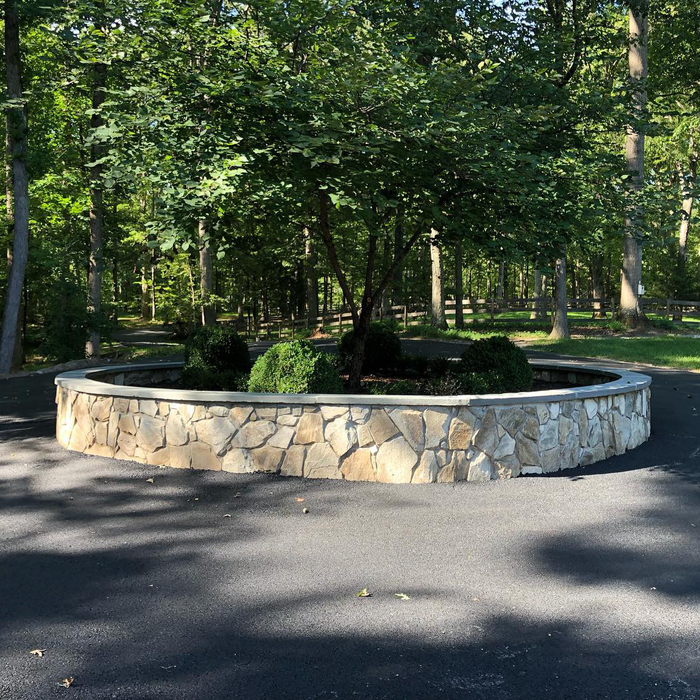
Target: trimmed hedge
{"type": "Point", "coordinates": [495, 365]}
{"type": "Point", "coordinates": [382, 350]}
{"type": "Point", "coordinates": [295, 367]}
{"type": "Point", "coordinates": [216, 358]}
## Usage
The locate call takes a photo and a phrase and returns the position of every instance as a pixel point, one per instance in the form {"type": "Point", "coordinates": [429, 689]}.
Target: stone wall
{"type": "Point", "coordinates": [399, 440]}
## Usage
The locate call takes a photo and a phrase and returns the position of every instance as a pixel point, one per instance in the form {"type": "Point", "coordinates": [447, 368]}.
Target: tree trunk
{"type": "Point", "coordinates": [310, 260]}
{"type": "Point", "coordinates": [145, 309]}
{"type": "Point", "coordinates": [501, 279]}
{"type": "Point", "coordinates": [17, 129]}
{"type": "Point", "coordinates": [631, 312]}
{"type": "Point", "coordinates": [687, 184]}
{"type": "Point", "coordinates": [206, 275]}
{"type": "Point", "coordinates": [560, 321]}
{"type": "Point", "coordinates": [153, 285]}
{"type": "Point", "coordinates": [437, 287]}
{"type": "Point", "coordinates": [95, 265]}
{"type": "Point", "coordinates": [539, 306]}
{"type": "Point", "coordinates": [115, 289]}
{"type": "Point", "coordinates": [459, 286]}
{"type": "Point", "coordinates": [597, 285]}
{"type": "Point", "coordinates": [397, 281]}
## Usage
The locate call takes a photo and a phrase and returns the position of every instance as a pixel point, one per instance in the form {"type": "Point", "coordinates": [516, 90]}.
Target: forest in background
{"type": "Point", "coordinates": [181, 161]}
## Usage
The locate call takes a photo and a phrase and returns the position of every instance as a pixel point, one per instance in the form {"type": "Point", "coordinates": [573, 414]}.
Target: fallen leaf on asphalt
{"type": "Point", "coordinates": [149, 481]}
{"type": "Point", "coordinates": [37, 652]}
{"type": "Point", "coordinates": [477, 599]}
{"type": "Point", "coordinates": [238, 495]}
{"type": "Point", "coordinates": [67, 682]}
{"type": "Point", "coordinates": [364, 593]}
{"type": "Point", "coordinates": [300, 500]}
{"type": "Point", "coordinates": [402, 596]}
{"type": "Point", "coordinates": [228, 515]}
{"type": "Point", "coordinates": [305, 510]}
{"type": "Point", "coordinates": [167, 668]}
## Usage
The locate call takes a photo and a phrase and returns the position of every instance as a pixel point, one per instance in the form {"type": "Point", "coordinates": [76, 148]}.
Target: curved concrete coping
{"type": "Point", "coordinates": [87, 381]}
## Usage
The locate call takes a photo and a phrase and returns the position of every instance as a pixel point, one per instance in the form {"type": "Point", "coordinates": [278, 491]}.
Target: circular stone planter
{"type": "Point", "coordinates": [399, 439]}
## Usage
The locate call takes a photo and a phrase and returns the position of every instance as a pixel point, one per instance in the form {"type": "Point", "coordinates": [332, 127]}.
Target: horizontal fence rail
{"type": "Point", "coordinates": [493, 310]}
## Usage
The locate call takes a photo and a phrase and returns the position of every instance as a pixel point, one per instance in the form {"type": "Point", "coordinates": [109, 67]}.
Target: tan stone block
{"type": "Point", "coordinates": [219, 411]}
{"type": "Point", "coordinates": [357, 466]}
{"type": "Point", "coordinates": [151, 433]}
{"type": "Point", "coordinates": [101, 408]}
{"type": "Point", "coordinates": [410, 423]}
{"type": "Point", "coordinates": [480, 468]}
{"type": "Point", "coordinates": [531, 428]}
{"type": "Point", "coordinates": [486, 438]}
{"type": "Point", "coordinates": [120, 405]}
{"type": "Point", "coordinates": [164, 408]}
{"type": "Point", "coordinates": [526, 451]}
{"type": "Point", "coordinates": [310, 429]}
{"type": "Point", "coordinates": [266, 413]}
{"type": "Point", "coordinates": [364, 436]}
{"type": "Point", "coordinates": [511, 418]}
{"type": "Point", "coordinates": [180, 457]}
{"type": "Point", "coordinates": [287, 419]}
{"type": "Point", "coordinates": [321, 462]}
{"type": "Point", "coordinates": [126, 444]}
{"type": "Point", "coordinates": [215, 431]}
{"type": "Point", "coordinates": [101, 430]}
{"type": "Point", "coordinates": [282, 438]}
{"type": "Point", "coordinates": [175, 430]}
{"type": "Point", "coordinates": [395, 461]}
{"type": "Point", "coordinates": [149, 407]}
{"type": "Point", "coordinates": [238, 461]}
{"type": "Point", "coordinates": [239, 415]}
{"type": "Point", "coordinates": [101, 450]}
{"type": "Point", "coordinates": [381, 426]}
{"type": "Point", "coordinates": [427, 469]}
{"type": "Point", "coordinates": [127, 424]}
{"type": "Point", "coordinates": [437, 421]}
{"type": "Point", "coordinates": [267, 459]}
{"type": "Point", "coordinates": [133, 406]}
{"type": "Point", "coordinates": [341, 435]}
{"type": "Point", "coordinates": [333, 412]}
{"type": "Point", "coordinates": [203, 457]}
{"type": "Point", "coordinates": [293, 463]}
{"type": "Point", "coordinates": [254, 434]}
{"type": "Point", "coordinates": [460, 435]}
{"type": "Point", "coordinates": [78, 440]}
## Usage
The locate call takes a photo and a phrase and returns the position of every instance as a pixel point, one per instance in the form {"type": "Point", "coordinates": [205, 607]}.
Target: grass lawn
{"type": "Point", "coordinates": [677, 351]}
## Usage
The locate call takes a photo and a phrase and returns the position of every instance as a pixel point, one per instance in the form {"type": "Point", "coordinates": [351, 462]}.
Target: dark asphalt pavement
{"type": "Point", "coordinates": [580, 585]}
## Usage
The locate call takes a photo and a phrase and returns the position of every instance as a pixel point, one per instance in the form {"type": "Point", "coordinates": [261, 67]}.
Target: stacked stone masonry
{"type": "Point", "coordinates": [387, 443]}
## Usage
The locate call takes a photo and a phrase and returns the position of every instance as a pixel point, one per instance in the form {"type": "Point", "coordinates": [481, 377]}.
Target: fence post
{"type": "Point", "coordinates": [340, 323]}
{"type": "Point", "coordinates": [405, 317]}
{"type": "Point", "coordinates": [293, 321]}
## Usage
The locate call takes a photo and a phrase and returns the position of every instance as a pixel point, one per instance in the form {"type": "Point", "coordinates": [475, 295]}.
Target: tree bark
{"type": "Point", "coordinates": [145, 308]}
{"type": "Point", "coordinates": [206, 275]}
{"type": "Point", "coordinates": [687, 184]}
{"type": "Point", "coordinates": [397, 281]}
{"type": "Point", "coordinates": [437, 286]}
{"type": "Point", "coordinates": [17, 129]}
{"type": "Point", "coordinates": [631, 312]}
{"type": "Point", "coordinates": [459, 286]}
{"type": "Point", "coordinates": [539, 306]}
{"type": "Point", "coordinates": [560, 321]}
{"type": "Point", "coordinates": [501, 279]}
{"type": "Point", "coordinates": [597, 285]}
{"type": "Point", "coordinates": [95, 264]}
{"type": "Point", "coordinates": [310, 260]}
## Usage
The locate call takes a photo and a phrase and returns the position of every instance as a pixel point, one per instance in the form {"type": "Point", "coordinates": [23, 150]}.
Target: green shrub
{"type": "Point", "coordinates": [201, 378]}
{"type": "Point", "coordinates": [295, 367]}
{"type": "Point", "coordinates": [402, 387]}
{"type": "Point", "coordinates": [382, 350]}
{"type": "Point", "coordinates": [216, 359]}
{"type": "Point", "coordinates": [497, 365]}
{"type": "Point", "coordinates": [217, 348]}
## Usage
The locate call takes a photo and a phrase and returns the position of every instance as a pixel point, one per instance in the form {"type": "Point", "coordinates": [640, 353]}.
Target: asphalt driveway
{"type": "Point", "coordinates": [581, 585]}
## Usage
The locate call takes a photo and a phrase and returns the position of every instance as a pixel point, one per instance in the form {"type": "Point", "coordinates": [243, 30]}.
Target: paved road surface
{"type": "Point", "coordinates": [583, 585]}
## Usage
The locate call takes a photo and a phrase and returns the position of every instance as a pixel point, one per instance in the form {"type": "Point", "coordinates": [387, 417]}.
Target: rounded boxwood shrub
{"type": "Point", "coordinates": [382, 349]}
{"type": "Point", "coordinates": [295, 367]}
{"type": "Point", "coordinates": [216, 358]}
{"type": "Point", "coordinates": [496, 365]}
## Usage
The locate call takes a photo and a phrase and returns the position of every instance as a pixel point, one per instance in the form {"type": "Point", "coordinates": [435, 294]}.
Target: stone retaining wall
{"type": "Point", "coordinates": [360, 438]}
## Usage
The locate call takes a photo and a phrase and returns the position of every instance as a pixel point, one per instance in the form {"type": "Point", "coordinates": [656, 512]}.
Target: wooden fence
{"type": "Point", "coordinates": [474, 310]}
